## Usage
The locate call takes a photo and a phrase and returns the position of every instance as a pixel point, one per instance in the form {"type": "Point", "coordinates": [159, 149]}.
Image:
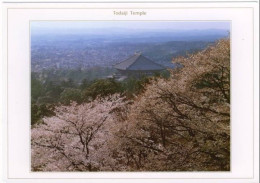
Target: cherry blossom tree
{"type": "Point", "coordinates": [77, 138]}
{"type": "Point", "coordinates": [183, 123]}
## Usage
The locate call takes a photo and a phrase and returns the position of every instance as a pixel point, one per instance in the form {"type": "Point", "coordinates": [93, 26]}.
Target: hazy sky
{"type": "Point", "coordinates": [135, 25]}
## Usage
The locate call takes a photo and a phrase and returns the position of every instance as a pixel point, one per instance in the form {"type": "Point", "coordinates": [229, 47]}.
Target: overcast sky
{"type": "Point", "coordinates": [134, 25]}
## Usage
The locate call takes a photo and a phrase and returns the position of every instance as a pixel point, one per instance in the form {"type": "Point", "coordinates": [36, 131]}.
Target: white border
{"type": "Point", "coordinates": [18, 78]}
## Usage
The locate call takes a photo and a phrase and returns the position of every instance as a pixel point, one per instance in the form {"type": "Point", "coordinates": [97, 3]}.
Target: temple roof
{"type": "Point", "coordinates": [138, 62]}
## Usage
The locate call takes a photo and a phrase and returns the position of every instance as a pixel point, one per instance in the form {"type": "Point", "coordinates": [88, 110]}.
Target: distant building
{"type": "Point", "coordinates": [136, 66]}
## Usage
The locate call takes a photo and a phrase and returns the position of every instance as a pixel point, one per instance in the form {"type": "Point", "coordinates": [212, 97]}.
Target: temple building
{"type": "Point", "coordinates": [136, 66]}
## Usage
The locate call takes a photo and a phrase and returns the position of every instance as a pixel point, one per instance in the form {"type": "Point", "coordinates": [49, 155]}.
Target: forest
{"type": "Point", "coordinates": [173, 121]}
{"type": "Point", "coordinates": [82, 86]}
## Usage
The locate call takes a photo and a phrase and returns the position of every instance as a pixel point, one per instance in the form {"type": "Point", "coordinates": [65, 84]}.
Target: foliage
{"type": "Point", "coordinates": [85, 84]}
{"type": "Point", "coordinates": [133, 86]}
{"type": "Point", "coordinates": [102, 87]}
{"type": "Point", "coordinates": [39, 111]}
{"type": "Point", "coordinates": [183, 123]}
{"type": "Point", "coordinates": [70, 94]}
{"type": "Point", "coordinates": [36, 89]}
{"type": "Point", "coordinates": [179, 123]}
{"type": "Point", "coordinates": [77, 138]}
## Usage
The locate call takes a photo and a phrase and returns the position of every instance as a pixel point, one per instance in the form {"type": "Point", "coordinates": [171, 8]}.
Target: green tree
{"type": "Point", "coordinates": [40, 111]}
{"type": "Point", "coordinates": [68, 84]}
{"type": "Point", "coordinates": [84, 84]}
{"type": "Point", "coordinates": [36, 88]}
{"type": "Point", "coordinates": [53, 90]}
{"type": "Point", "coordinates": [102, 87]}
{"type": "Point", "coordinates": [70, 94]}
{"type": "Point", "coordinates": [134, 86]}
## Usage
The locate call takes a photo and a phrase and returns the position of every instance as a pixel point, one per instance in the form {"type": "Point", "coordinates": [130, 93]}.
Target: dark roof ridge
{"type": "Point", "coordinates": [154, 62]}
{"type": "Point", "coordinates": [133, 63]}
{"type": "Point", "coordinates": [138, 56]}
{"type": "Point", "coordinates": [124, 60]}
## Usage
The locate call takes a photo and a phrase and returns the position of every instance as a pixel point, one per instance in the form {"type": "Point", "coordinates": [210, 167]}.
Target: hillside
{"type": "Point", "coordinates": [175, 123]}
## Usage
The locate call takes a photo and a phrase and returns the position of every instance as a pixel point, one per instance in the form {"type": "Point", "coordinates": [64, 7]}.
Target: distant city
{"type": "Point", "coordinates": [84, 50]}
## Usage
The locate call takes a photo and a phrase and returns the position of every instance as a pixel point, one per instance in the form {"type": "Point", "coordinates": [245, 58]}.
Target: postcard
{"type": "Point", "coordinates": [130, 92]}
